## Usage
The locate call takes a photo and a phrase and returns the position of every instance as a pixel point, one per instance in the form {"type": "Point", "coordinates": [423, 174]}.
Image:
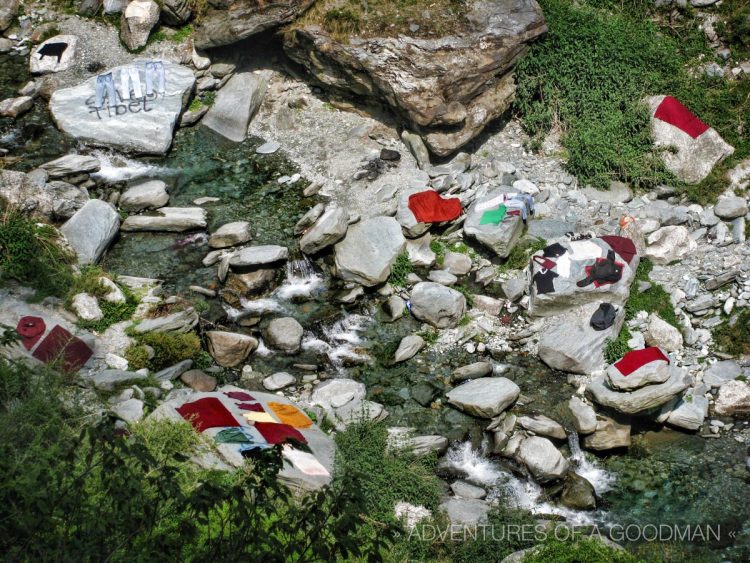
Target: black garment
{"type": "Point", "coordinates": [52, 50]}
{"type": "Point", "coordinates": [604, 271]}
{"type": "Point", "coordinates": [603, 317]}
{"type": "Point", "coordinates": [554, 250]}
{"type": "Point", "coordinates": [578, 236]}
{"type": "Point", "coordinates": [543, 280]}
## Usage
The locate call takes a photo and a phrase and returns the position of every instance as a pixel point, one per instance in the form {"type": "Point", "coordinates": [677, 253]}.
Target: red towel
{"type": "Point", "coordinates": [622, 245]}
{"type": "Point", "coordinates": [207, 413]}
{"type": "Point", "coordinates": [240, 396]}
{"type": "Point", "coordinates": [30, 329]}
{"type": "Point", "coordinates": [638, 358]}
{"type": "Point", "coordinates": [429, 207]}
{"type": "Point", "coordinates": [61, 346]}
{"type": "Point", "coordinates": [673, 112]}
{"type": "Point", "coordinates": [279, 433]}
{"type": "Point", "coordinates": [253, 407]}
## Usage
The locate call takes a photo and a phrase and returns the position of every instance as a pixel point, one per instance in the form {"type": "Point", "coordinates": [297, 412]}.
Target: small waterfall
{"type": "Point", "coordinates": [341, 341]}
{"type": "Point", "coordinates": [600, 479]}
{"type": "Point", "coordinates": [302, 280]}
{"type": "Point", "coordinates": [120, 168]}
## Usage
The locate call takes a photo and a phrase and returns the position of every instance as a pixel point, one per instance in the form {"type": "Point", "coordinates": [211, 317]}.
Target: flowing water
{"type": "Point", "coordinates": [667, 477]}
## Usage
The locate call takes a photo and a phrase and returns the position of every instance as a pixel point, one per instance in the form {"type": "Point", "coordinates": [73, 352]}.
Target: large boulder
{"type": "Point", "coordinates": [91, 230]}
{"type": "Point", "coordinates": [584, 416]}
{"type": "Point", "coordinates": [31, 192]}
{"type": "Point", "coordinates": [235, 105]}
{"type": "Point", "coordinates": [609, 435]}
{"type": "Point", "coordinates": [640, 400]}
{"type": "Point", "coordinates": [143, 125]}
{"type": "Point", "coordinates": [229, 21]}
{"type": "Point", "coordinates": [8, 11]}
{"type": "Point", "coordinates": [733, 399]}
{"type": "Point", "coordinates": [255, 256]}
{"type": "Point", "coordinates": [137, 21]}
{"type": "Point", "coordinates": [230, 234]}
{"type": "Point", "coordinates": [485, 397]}
{"type": "Point", "coordinates": [561, 274]}
{"type": "Point", "coordinates": [168, 219]}
{"type": "Point", "coordinates": [328, 230]}
{"type": "Point", "coordinates": [543, 426]}
{"type": "Point", "coordinates": [438, 305]}
{"type": "Point", "coordinates": [500, 238]}
{"type": "Point", "coordinates": [698, 149]}
{"type": "Point", "coordinates": [54, 54]}
{"type": "Point", "coordinates": [662, 334]}
{"type": "Point", "coordinates": [463, 512]}
{"type": "Point", "coordinates": [569, 343]}
{"type": "Point", "coordinates": [669, 244]}
{"type": "Point", "coordinates": [689, 412]}
{"type": "Point", "coordinates": [369, 250]}
{"type": "Point", "coordinates": [448, 88]}
{"type": "Point", "coordinates": [730, 207]}
{"type": "Point", "coordinates": [543, 459]}
{"type": "Point", "coordinates": [148, 194]}
{"type": "Point", "coordinates": [71, 164]}
{"type": "Point", "coordinates": [230, 349]}
{"type": "Point", "coordinates": [176, 12]}
{"type": "Point", "coordinates": [284, 334]}
{"type": "Point", "coordinates": [408, 348]}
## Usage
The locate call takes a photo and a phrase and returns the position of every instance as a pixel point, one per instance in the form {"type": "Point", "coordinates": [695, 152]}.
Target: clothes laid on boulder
{"type": "Point", "coordinates": [603, 317]}
{"type": "Point", "coordinates": [305, 462]}
{"type": "Point", "coordinates": [30, 329]}
{"type": "Point", "coordinates": [262, 416]}
{"type": "Point", "coordinates": [544, 281]}
{"type": "Point", "coordinates": [578, 251]}
{"type": "Point", "coordinates": [430, 207]}
{"type": "Point", "coordinates": [237, 435]}
{"type": "Point", "coordinates": [240, 396]}
{"type": "Point", "coordinates": [63, 349]}
{"type": "Point", "coordinates": [623, 246]}
{"type": "Point", "coordinates": [275, 433]}
{"type": "Point", "coordinates": [554, 250]}
{"type": "Point", "coordinates": [255, 407]}
{"type": "Point", "coordinates": [291, 415]}
{"type": "Point", "coordinates": [494, 216]}
{"type": "Point", "coordinates": [638, 358]}
{"type": "Point", "coordinates": [671, 111]}
{"type": "Point", "coordinates": [206, 413]}
{"type": "Point", "coordinates": [604, 271]}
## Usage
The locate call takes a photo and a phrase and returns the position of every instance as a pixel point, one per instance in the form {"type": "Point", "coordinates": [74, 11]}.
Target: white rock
{"type": "Point", "coordinates": [86, 307]}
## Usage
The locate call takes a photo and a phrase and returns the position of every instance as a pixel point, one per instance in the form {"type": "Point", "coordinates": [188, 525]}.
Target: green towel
{"type": "Point", "coordinates": [493, 216]}
{"type": "Point", "coordinates": [233, 436]}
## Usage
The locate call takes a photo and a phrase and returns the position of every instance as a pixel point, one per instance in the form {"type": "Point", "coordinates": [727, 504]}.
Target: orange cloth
{"type": "Point", "coordinates": [291, 415]}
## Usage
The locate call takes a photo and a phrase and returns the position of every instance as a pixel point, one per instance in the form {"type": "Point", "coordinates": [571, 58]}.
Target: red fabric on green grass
{"type": "Point", "coordinates": [61, 346]}
{"type": "Point", "coordinates": [206, 413]}
{"type": "Point", "coordinates": [671, 111]}
{"type": "Point", "coordinates": [279, 433]}
{"type": "Point", "coordinates": [638, 358]}
{"type": "Point", "coordinates": [429, 207]}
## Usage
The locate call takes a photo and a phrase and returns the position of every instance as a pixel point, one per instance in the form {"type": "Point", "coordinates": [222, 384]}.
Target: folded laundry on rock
{"type": "Point", "coordinates": [604, 316]}
{"type": "Point", "coordinates": [303, 461]}
{"type": "Point", "coordinates": [62, 348]}
{"type": "Point", "coordinates": [206, 413]}
{"type": "Point", "coordinates": [255, 407]}
{"type": "Point", "coordinates": [275, 433]}
{"type": "Point", "coordinates": [239, 435]}
{"type": "Point", "coordinates": [259, 417]}
{"type": "Point", "coordinates": [604, 271]}
{"type": "Point", "coordinates": [291, 415]}
{"type": "Point", "coordinates": [30, 329]}
{"type": "Point", "coordinates": [239, 396]}
{"type": "Point", "coordinates": [636, 359]}
{"type": "Point", "coordinates": [623, 246]}
{"type": "Point", "coordinates": [493, 216]}
{"type": "Point", "coordinates": [430, 207]}
{"type": "Point", "coordinates": [673, 112]}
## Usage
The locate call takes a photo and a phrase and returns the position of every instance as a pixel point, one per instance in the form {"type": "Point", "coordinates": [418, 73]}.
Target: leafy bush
{"type": "Point", "coordinates": [654, 300]}
{"type": "Point", "coordinates": [31, 254]}
{"type": "Point", "coordinates": [400, 270]}
{"type": "Point", "coordinates": [169, 349]}
{"type": "Point", "coordinates": [733, 335]}
{"type": "Point", "coordinates": [616, 348]}
{"type": "Point", "coordinates": [521, 253]}
{"type": "Point", "coordinates": [439, 249]}
{"type": "Point", "coordinates": [583, 550]}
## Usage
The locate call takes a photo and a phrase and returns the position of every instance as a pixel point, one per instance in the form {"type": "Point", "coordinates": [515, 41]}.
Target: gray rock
{"type": "Point", "coordinates": [175, 12]}
{"type": "Point", "coordinates": [137, 21]}
{"type": "Point", "coordinates": [109, 379]}
{"type": "Point", "coordinates": [569, 343]}
{"type": "Point", "coordinates": [456, 263]}
{"type": "Point", "coordinates": [417, 148]}
{"type": "Point", "coordinates": [640, 400]}
{"type": "Point", "coordinates": [140, 126]}
{"type": "Point", "coordinates": [437, 305]}
{"type": "Point", "coordinates": [86, 307]}
{"type": "Point", "coordinates": [254, 256]}
{"type": "Point", "coordinates": [662, 334]}
{"type": "Point", "coordinates": [489, 305]}
{"type": "Point", "coordinates": [465, 512]}
{"type": "Point", "coordinates": [584, 416]}
{"type": "Point", "coordinates": [690, 412]}
{"type": "Point", "coordinates": [51, 201]}
{"type": "Point", "coordinates": [309, 218]}
{"type": "Point", "coordinates": [730, 207]}
{"type": "Point", "coordinates": [394, 308]}
{"type": "Point", "coordinates": [198, 381]}
{"type": "Point", "coordinates": [485, 397]}
{"type": "Point", "coordinates": [130, 411]}
{"type": "Point", "coordinates": [472, 371]}
{"type": "Point", "coordinates": [235, 105]}
{"type": "Point", "coordinates": [14, 107]}
{"type": "Point", "coordinates": [71, 164]}
{"type": "Point", "coordinates": [720, 372]}
{"type": "Point", "coordinates": [733, 399]}
{"type": "Point", "coordinates": [150, 194]}
{"type": "Point", "coordinates": [419, 251]}
{"type": "Point", "coordinates": [467, 490]}
{"type": "Point", "coordinates": [8, 11]}
{"type": "Point", "coordinates": [230, 349]}
{"type": "Point", "coordinates": [609, 435]}
{"type": "Point", "coordinates": [543, 459]}
{"type": "Point", "coordinates": [408, 348]}
{"type": "Point", "coordinates": [721, 280]}
{"type": "Point", "coordinates": [653, 372]}
{"type": "Point", "coordinates": [498, 238]}
{"type": "Point", "coordinates": [543, 426]}
{"type": "Point", "coordinates": [284, 334]}
{"type": "Point", "coordinates": [442, 277]}
{"type": "Point", "coordinates": [369, 250]}
{"type": "Point", "coordinates": [669, 244]}
{"type": "Point", "coordinates": [577, 493]}
{"type": "Point", "coordinates": [336, 393]}
{"type": "Point", "coordinates": [514, 288]}
{"type": "Point", "coordinates": [549, 229]}
{"type": "Point", "coordinates": [91, 230]}
{"type": "Point", "coordinates": [167, 219]}
{"type": "Point", "coordinates": [701, 303]}
{"type": "Point", "coordinates": [406, 218]}
{"type": "Point", "coordinates": [230, 234]}
{"type": "Point", "coordinates": [279, 381]}
{"type": "Point", "coordinates": [173, 372]}
{"type": "Point", "coordinates": [181, 321]}
{"type": "Point", "coordinates": [329, 229]}
{"type": "Point", "coordinates": [618, 192]}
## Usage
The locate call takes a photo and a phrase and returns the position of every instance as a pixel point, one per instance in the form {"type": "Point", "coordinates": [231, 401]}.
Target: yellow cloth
{"type": "Point", "coordinates": [291, 415]}
{"type": "Point", "coordinates": [259, 417]}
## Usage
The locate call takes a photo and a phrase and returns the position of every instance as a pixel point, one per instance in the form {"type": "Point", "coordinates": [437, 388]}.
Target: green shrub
{"type": "Point", "coordinates": [182, 34]}
{"type": "Point", "coordinates": [583, 550]}
{"type": "Point", "coordinates": [169, 349]}
{"type": "Point", "coordinates": [31, 254]}
{"type": "Point", "coordinates": [89, 281]}
{"type": "Point", "coordinates": [521, 253]}
{"type": "Point", "coordinates": [654, 300]}
{"type": "Point", "coordinates": [439, 249]}
{"type": "Point", "coordinates": [400, 270]}
{"type": "Point", "coordinates": [616, 348]}
{"type": "Point", "coordinates": [733, 335]}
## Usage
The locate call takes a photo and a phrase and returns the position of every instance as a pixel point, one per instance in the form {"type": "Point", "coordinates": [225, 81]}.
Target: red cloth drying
{"type": "Point", "coordinates": [240, 396]}
{"type": "Point", "coordinates": [279, 433]}
{"type": "Point", "coordinates": [253, 407]}
{"type": "Point", "coordinates": [61, 346]}
{"type": "Point", "coordinates": [30, 329]}
{"type": "Point", "coordinates": [207, 413]}
{"type": "Point", "coordinates": [429, 207]}
{"type": "Point", "coordinates": [638, 358]}
{"type": "Point", "coordinates": [671, 111]}
{"type": "Point", "coordinates": [622, 245]}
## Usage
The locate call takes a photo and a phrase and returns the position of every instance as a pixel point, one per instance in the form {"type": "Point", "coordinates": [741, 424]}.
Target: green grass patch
{"type": "Point", "coordinates": [463, 290]}
{"type": "Point", "coordinates": [89, 281]}
{"type": "Point", "coordinates": [182, 34]}
{"type": "Point", "coordinates": [581, 550]}
{"type": "Point", "coordinates": [654, 300]}
{"type": "Point", "coordinates": [616, 348]}
{"type": "Point", "coordinates": [733, 335]}
{"type": "Point", "coordinates": [521, 253]}
{"type": "Point", "coordinates": [588, 76]}
{"type": "Point", "coordinates": [31, 254]}
{"type": "Point", "coordinates": [400, 270]}
{"type": "Point", "coordinates": [169, 349]}
{"type": "Point", "coordinates": [439, 249]}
